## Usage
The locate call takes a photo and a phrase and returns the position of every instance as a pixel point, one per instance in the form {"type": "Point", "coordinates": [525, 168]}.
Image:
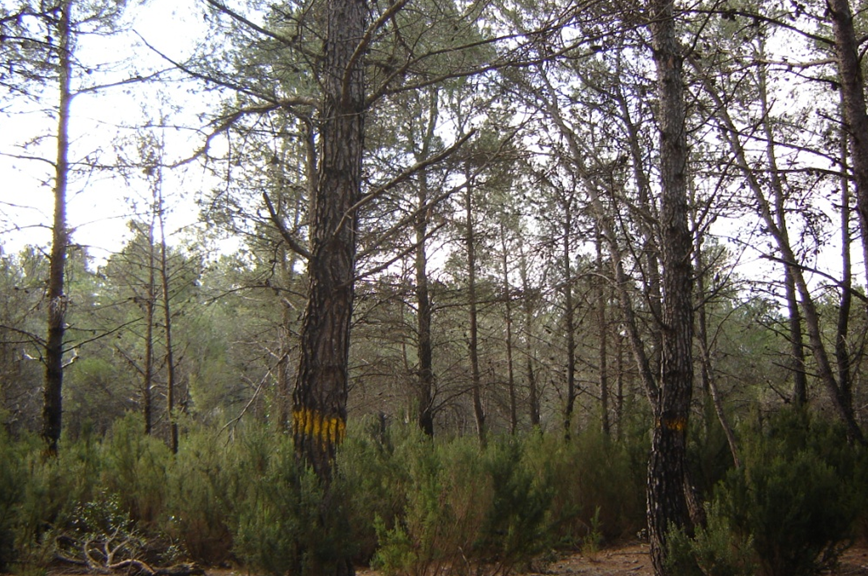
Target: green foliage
{"type": "Point", "coordinates": [795, 496]}
{"type": "Point", "coordinates": [374, 478]}
{"type": "Point", "coordinates": [515, 528]}
{"type": "Point", "coordinates": [285, 524]}
{"type": "Point", "coordinates": [11, 492]}
{"type": "Point", "coordinates": [135, 467]}
{"type": "Point", "coordinates": [203, 493]}
{"type": "Point", "coordinates": [596, 484]}
{"type": "Point", "coordinates": [716, 549]}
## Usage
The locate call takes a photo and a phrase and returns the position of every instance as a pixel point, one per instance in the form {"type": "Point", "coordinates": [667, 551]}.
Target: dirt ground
{"type": "Point", "coordinates": [632, 560]}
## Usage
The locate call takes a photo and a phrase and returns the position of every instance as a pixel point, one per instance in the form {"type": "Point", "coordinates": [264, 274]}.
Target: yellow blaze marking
{"type": "Point", "coordinates": [676, 424]}
{"type": "Point", "coordinates": [313, 424]}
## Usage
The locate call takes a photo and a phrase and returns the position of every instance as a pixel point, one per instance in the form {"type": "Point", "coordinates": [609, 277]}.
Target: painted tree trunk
{"type": "Point", "coordinates": [667, 505]}
{"type": "Point", "coordinates": [320, 392]}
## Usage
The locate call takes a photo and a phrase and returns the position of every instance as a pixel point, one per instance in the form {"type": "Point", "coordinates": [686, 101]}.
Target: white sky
{"type": "Point", "coordinates": [99, 204]}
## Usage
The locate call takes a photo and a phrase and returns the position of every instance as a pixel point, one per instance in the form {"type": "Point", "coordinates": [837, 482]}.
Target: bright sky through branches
{"type": "Point", "coordinates": [101, 202]}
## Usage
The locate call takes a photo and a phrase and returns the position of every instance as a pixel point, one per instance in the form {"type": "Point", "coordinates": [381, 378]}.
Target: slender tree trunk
{"type": "Point", "coordinates": [150, 305]}
{"type": "Point", "coordinates": [842, 352]}
{"type": "Point", "coordinates": [797, 347]}
{"type": "Point", "coordinates": [602, 322]}
{"type": "Point", "coordinates": [569, 329]}
{"type": "Point", "coordinates": [424, 349]}
{"type": "Point", "coordinates": [533, 392]}
{"type": "Point", "coordinates": [853, 98]}
{"type": "Point", "coordinates": [824, 370]}
{"type": "Point", "coordinates": [510, 370]}
{"type": "Point", "coordinates": [167, 319]}
{"type": "Point", "coordinates": [473, 329]}
{"type": "Point", "coordinates": [709, 383]}
{"type": "Point", "coordinates": [667, 504]}
{"type": "Point", "coordinates": [321, 386]}
{"type": "Point", "coordinates": [52, 408]}
{"type": "Point", "coordinates": [424, 346]}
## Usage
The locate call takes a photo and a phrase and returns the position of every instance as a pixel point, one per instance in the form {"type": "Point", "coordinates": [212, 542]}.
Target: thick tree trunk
{"type": "Point", "coordinates": [667, 505]}
{"type": "Point", "coordinates": [52, 407]}
{"type": "Point", "coordinates": [320, 393]}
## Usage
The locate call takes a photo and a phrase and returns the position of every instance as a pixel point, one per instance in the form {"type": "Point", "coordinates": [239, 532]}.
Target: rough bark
{"type": "Point", "coordinates": [424, 346]}
{"type": "Point", "coordinates": [667, 505]}
{"type": "Point", "coordinates": [52, 407]}
{"type": "Point", "coordinates": [320, 391]}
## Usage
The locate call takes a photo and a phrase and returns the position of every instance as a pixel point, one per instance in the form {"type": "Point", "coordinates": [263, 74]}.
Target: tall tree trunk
{"type": "Point", "coordinates": [602, 323]}
{"type": "Point", "coordinates": [473, 329]}
{"type": "Point", "coordinates": [842, 352]}
{"type": "Point", "coordinates": [569, 327]}
{"type": "Point", "coordinates": [321, 386]}
{"type": "Point", "coordinates": [527, 303]}
{"type": "Point", "coordinates": [424, 346]}
{"type": "Point", "coordinates": [52, 407]}
{"type": "Point", "coordinates": [797, 347]}
{"type": "Point", "coordinates": [167, 320]}
{"type": "Point", "coordinates": [853, 99]}
{"type": "Point", "coordinates": [507, 295]}
{"type": "Point", "coordinates": [824, 369]}
{"type": "Point", "coordinates": [667, 504]}
{"type": "Point", "coordinates": [424, 349]}
{"type": "Point", "coordinates": [709, 384]}
{"type": "Point", "coordinates": [150, 310]}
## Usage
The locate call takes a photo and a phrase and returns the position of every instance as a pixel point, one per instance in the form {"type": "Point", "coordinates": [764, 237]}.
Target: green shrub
{"type": "Point", "coordinates": [794, 496]}
{"type": "Point", "coordinates": [466, 507]}
{"type": "Point", "coordinates": [715, 550]}
{"type": "Point", "coordinates": [285, 524]}
{"type": "Point", "coordinates": [374, 480]}
{"type": "Point", "coordinates": [12, 480]}
{"type": "Point", "coordinates": [515, 529]}
{"type": "Point", "coordinates": [135, 467]}
{"type": "Point", "coordinates": [203, 487]}
{"type": "Point", "coordinates": [597, 485]}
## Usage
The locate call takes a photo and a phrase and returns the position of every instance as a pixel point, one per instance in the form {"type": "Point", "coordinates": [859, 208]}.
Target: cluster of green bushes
{"type": "Point", "coordinates": [799, 499]}
{"type": "Point", "coordinates": [411, 505]}
{"type": "Point", "coordinates": [406, 503]}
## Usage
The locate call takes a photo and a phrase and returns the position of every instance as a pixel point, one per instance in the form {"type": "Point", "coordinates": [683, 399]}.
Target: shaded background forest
{"type": "Point", "coordinates": [507, 268]}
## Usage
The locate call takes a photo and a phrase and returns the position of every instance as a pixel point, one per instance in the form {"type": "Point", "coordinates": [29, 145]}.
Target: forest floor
{"type": "Point", "coordinates": [629, 559]}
